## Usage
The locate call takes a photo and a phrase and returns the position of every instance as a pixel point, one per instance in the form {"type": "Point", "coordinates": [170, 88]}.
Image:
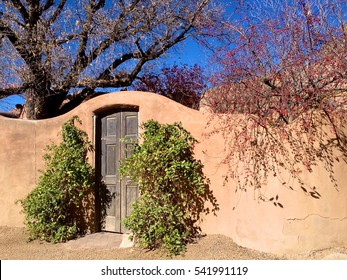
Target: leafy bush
{"type": "Point", "coordinates": [53, 209]}
{"type": "Point", "coordinates": [173, 189]}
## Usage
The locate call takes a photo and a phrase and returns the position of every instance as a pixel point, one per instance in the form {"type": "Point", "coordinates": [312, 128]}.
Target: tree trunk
{"type": "Point", "coordinates": [40, 105]}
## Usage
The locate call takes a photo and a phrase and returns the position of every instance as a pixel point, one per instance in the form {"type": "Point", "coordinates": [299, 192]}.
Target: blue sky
{"type": "Point", "coordinates": [190, 53]}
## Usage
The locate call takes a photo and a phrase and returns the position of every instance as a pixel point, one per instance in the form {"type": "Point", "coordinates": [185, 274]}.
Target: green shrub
{"type": "Point", "coordinates": [53, 210]}
{"type": "Point", "coordinates": [173, 189]}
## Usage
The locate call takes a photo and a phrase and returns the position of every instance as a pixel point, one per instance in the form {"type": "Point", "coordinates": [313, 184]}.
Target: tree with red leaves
{"type": "Point", "coordinates": [184, 84]}
{"type": "Point", "coordinates": [287, 74]}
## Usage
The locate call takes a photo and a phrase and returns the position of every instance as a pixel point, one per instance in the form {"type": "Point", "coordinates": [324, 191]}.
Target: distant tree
{"type": "Point", "coordinates": [184, 84]}
{"type": "Point", "coordinates": [287, 74]}
{"type": "Point", "coordinates": [52, 48]}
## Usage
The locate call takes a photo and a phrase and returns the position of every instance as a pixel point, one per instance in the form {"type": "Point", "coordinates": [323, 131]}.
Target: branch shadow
{"type": "Point", "coordinates": [255, 152]}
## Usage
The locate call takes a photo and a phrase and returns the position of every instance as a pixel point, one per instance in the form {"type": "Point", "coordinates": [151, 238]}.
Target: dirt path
{"type": "Point", "coordinates": [14, 245]}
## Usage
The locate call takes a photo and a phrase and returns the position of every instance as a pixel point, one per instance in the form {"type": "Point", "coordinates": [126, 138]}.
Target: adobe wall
{"type": "Point", "coordinates": [303, 224]}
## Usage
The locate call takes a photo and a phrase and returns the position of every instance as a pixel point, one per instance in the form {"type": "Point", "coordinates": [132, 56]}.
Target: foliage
{"type": "Point", "coordinates": [53, 210]}
{"type": "Point", "coordinates": [49, 49]}
{"type": "Point", "coordinates": [183, 84]}
{"type": "Point", "coordinates": [172, 186]}
{"type": "Point", "coordinates": [287, 75]}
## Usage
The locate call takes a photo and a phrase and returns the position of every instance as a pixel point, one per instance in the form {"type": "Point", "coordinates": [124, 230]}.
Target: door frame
{"type": "Point", "coordinates": [98, 115]}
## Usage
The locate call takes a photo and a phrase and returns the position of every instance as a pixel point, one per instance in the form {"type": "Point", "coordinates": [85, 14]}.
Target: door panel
{"type": "Point", "coordinates": [121, 193]}
{"type": "Point", "coordinates": [132, 194]}
{"type": "Point", "coordinates": [113, 211]}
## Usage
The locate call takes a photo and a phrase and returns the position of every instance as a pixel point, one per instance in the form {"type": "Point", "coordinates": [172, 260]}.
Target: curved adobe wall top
{"type": "Point", "coordinates": [151, 106]}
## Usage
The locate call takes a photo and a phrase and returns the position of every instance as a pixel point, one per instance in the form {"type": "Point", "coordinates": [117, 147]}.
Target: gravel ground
{"type": "Point", "coordinates": [14, 245]}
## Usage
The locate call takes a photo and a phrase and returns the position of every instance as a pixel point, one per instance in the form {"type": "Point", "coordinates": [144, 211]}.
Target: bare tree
{"type": "Point", "coordinates": [52, 48]}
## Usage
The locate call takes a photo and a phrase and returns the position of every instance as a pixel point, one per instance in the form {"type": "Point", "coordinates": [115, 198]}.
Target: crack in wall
{"type": "Point", "coordinates": [329, 229]}
{"type": "Point", "coordinates": [317, 215]}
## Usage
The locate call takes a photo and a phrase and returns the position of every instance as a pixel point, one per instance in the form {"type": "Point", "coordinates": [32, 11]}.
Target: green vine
{"type": "Point", "coordinates": [173, 189]}
{"type": "Point", "coordinates": [53, 210]}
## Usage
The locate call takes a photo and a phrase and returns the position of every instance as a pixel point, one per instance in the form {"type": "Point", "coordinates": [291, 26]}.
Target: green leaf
{"type": "Point", "coordinates": [51, 209]}
{"type": "Point", "coordinates": [172, 185]}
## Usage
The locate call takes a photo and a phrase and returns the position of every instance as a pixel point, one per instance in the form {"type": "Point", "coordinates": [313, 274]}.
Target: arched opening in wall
{"type": "Point", "coordinates": [115, 131]}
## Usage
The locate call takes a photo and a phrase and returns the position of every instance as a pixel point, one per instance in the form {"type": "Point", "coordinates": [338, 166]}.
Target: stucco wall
{"type": "Point", "coordinates": [303, 224]}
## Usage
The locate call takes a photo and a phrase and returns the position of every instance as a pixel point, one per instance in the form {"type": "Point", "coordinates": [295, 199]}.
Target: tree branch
{"type": "Point", "coordinates": [19, 6]}
{"type": "Point", "coordinates": [20, 48]}
{"type": "Point", "coordinates": [98, 5]}
{"type": "Point", "coordinates": [48, 4]}
{"type": "Point", "coordinates": [57, 12]}
{"type": "Point", "coordinates": [81, 61]}
{"type": "Point", "coordinates": [5, 92]}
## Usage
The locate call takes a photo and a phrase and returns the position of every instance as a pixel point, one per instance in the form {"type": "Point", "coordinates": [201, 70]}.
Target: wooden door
{"type": "Point", "coordinates": [119, 125]}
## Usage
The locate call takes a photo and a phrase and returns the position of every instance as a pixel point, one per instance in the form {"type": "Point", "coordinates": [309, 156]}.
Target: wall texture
{"type": "Point", "coordinates": [303, 224]}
